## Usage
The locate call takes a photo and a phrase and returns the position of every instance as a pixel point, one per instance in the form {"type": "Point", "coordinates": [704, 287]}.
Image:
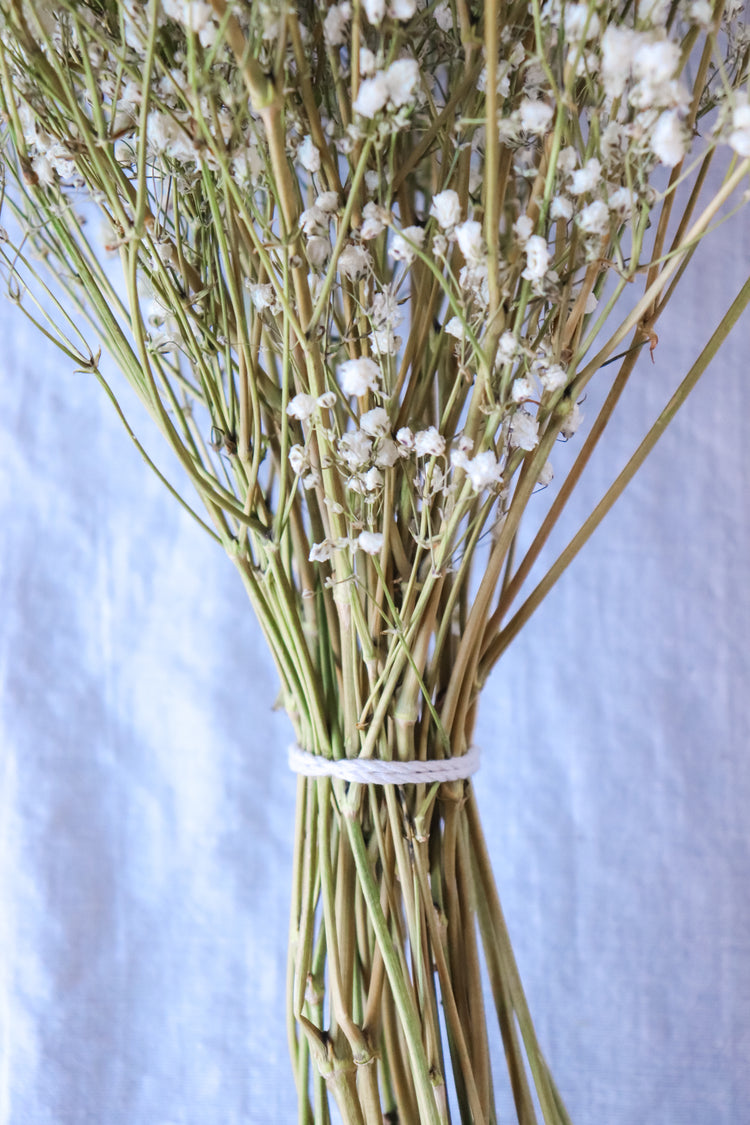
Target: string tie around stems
{"type": "Point", "coordinates": [373, 771]}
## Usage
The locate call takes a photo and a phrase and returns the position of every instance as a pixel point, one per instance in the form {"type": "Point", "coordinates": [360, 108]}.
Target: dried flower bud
{"type": "Point", "coordinates": [371, 542]}
{"type": "Point", "coordinates": [429, 443]}
{"type": "Point", "coordinates": [446, 208]}
{"type": "Point", "coordinates": [358, 376]}
{"type": "Point", "coordinates": [308, 155]}
{"type": "Point", "coordinates": [375, 422]}
{"type": "Point", "coordinates": [301, 407]}
{"type": "Point", "coordinates": [524, 431]}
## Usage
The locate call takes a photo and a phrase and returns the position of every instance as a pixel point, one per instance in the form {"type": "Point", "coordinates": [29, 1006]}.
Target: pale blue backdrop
{"type": "Point", "coordinates": [146, 807]}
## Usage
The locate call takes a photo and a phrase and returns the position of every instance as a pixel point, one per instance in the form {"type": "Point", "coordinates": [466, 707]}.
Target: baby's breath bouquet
{"type": "Point", "coordinates": [372, 254]}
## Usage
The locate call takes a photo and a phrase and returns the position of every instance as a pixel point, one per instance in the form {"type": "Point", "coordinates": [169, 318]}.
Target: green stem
{"type": "Point", "coordinates": [535, 598]}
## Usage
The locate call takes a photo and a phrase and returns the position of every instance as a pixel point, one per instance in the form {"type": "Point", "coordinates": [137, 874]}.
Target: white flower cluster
{"type": "Point", "coordinates": [196, 16]}
{"type": "Point", "coordinates": [370, 542]}
{"type": "Point", "coordinates": [385, 317]}
{"type": "Point", "coordinates": [50, 159]}
{"type": "Point", "coordinates": [376, 10]}
{"type": "Point", "coordinates": [315, 223]}
{"type": "Point", "coordinates": [394, 88]}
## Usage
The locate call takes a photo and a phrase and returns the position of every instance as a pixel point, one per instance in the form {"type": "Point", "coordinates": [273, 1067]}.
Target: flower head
{"type": "Point", "coordinates": [537, 258]}
{"type": "Point", "coordinates": [429, 443]}
{"type": "Point", "coordinates": [471, 242]}
{"type": "Point", "coordinates": [371, 542]}
{"type": "Point", "coordinates": [400, 250]}
{"type": "Point", "coordinates": [308, 155]}
{"type": "Point", "coordinates": [446, 208]}
{"type": "Point", "coordinates": [358, 376]}
{"type": "Point", "coordinates": [524, 431]}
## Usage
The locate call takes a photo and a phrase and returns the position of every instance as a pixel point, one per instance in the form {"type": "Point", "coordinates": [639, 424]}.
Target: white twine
{"type": "Point", "coordinates": [372, 771]}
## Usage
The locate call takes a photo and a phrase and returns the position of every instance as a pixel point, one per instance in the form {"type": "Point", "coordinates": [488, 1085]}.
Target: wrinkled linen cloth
{"type": "Point", "coordinates": [147, 810]}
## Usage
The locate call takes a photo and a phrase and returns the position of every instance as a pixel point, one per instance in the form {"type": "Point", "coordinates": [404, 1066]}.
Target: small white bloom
{"type": "Point", "coordinates": [375, 11]}
{"type": "Point", "coordinates": [263, 296]}
{"type": "Point", "coordinates": [614, 142]}
{"type": "Point", "coordinates": [655, 11]}
{"type": "Point", "coordinates": [701, 12]}
{"type": "Point", "coordinates": [560, 208]}
{"type": "Point", "coordinates": [443, 16]}
{"type": "Point", "coordinates": [375, 422]}
{"type": "Point", "coordinates": [403, 78]}
{"type": "Point", "coordinates": [354, 262]}
{"type": "Point", "coordinates": [535, 116]}
{"type": "Point", "coordinates": [572, 422]}
{"type": "Point", "coordinates": [524, 431]}
{"type": "Point", "coordinates": [507, 347]}
{"type": "Point", "coordinates": [400, 250]}
{"type": "Point", "coordinates": [429, 443]}
{"type": "Point", "coordinates": [373, 224]}
{"type": "Point", "coordinates": [460, 452]}
{"type": "Point", "coordinates": [297, 459]}
{"type": "Point", "coordinates": [471, 242]}
{"type": "Point", "coordinates": [371, 542]}
{"type": "Point", "coordinates": [669, 138]}
{"type": "Point", "coordinates": [522, 389]}
{"type": "Point", "coordinates": [547, 474]}
{"type": "Point", "coordinates": [405, 438]}
{"type": "Point", "coordinates": [384, 341]}
{"type": "Point", "coordinates": [455, 327]}
{"type": "Point", "coordinates": [301, 407]}
{"type": "Point", "coordinates": [537, 258]}
{"type": "Point", "coordinates": [372, 95]}
{"type": "Point", "coordinates": [355, 448]}
{"type": "Point", "coordinates": [621, 202]}
{"type": "Point", "coordinates": [166, 137]}
{"type": "Point", "coordinates": [576, 16]}
{"type": "Point", "coordinates": [387, 454]}
{"type": "Point", "coordinates": [619, 45]}
{"type": "Point", "coordinates": [318, 250]}
{"type": "Point", "coordinates": [321, 552]}
{"type": "Point", "coordinates": [327, 400]}
{"type": "Point", "coordinates": [566, 161]}
{"type": "Point", "coordinates": [372, 479]}
{"type": "Point", "coordinates": [524, 228]}
{"type": "Point", "coordinates": [446, 208]}
{"type": "Point", "coordinates": [327, 202]}
{"type": "Point", "coordinates": [402, 9]}
{"type": "Point", "coordinates": [308, 155]}
{"type": "Point", "coordinates": [483, 470]}
{"type": "Point", "coordinates": [397, 85]}
{"type": "Point", "coordinates": [553, 377]}
{"type": "Point", "coordinates": [367, 62]}
{"type": "Point", "coordinates": [739, 138]}
{"type": "Point", "coordinates": [358, 376]}
{"type": "Point", "coordinates": [384, 308]}
{"type": "Point", "coordinates": [194, 15]}
{"type": "Point", "coordinates": [586, 178]}
{"type": "Point", "coordinates": [656, 61]}
{"type": "Point", "coordinates": [335, 23]}
{"type": "Point", "coordinates": [314, 220]}
{"type": "Point", "coordinates": [594, 219]}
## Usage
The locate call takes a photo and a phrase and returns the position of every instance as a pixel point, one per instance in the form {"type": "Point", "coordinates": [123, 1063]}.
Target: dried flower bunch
{"type": "Point", "coordinates": [372, 254]}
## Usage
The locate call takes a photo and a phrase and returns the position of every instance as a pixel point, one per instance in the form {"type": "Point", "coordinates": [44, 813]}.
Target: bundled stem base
{"type": "Point", "coordinates": [394, 910]}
